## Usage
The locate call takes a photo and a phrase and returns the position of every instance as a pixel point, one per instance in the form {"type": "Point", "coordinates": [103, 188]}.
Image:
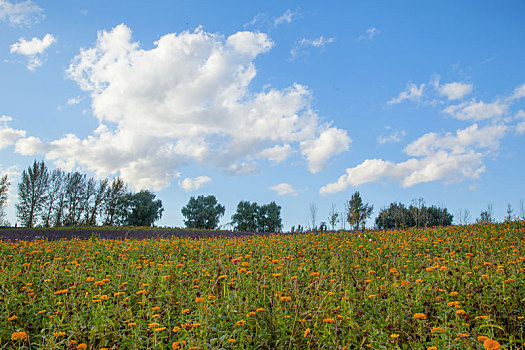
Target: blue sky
{"type": "Point", "coordinates": [296, 102]}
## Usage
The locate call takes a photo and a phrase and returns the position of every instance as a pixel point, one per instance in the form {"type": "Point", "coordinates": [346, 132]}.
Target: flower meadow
{"type": "Point", "coordinates": [459, 287]}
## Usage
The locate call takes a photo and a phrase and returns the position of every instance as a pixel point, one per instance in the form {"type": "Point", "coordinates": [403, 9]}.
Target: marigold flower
{"type": "Point", "coordinates": [63, 291]}
{"type": "Point", "coordinates": [19, 336]}
{"type": "Point", "coordinates": [461, 312]}
{"type": "Point", "coordinates": [277, 274]}
{"type": "Point", "coordinates": [404, 283]}
{"type": "Point", "coordinates": [231, 340]}
{"type": "Point", "coordinates": [12, 318]}
{"type": "Point", "coordinates": [185, 311]}
{"type": "Point", "coordinates": [490, 344]}
{"type": "Point", "coordinates": [306, 332]}
{"type": "Point", "coordinates": [260, 309]}
{"type": "Point", "coordinates": [420, 316]}
{"type": "Point", "coordinates": [482, 338]}
{"type": "Point", "coordinates": [240, 323]}
{"type": "Point", "coordinates": [394, 335]}
{"type": "Point", "coordinates": [199, 300]}
{"type": "Point", "coordinates": [432, 348]}
{"type": "Point", "coordinates": [329, 320]}
{"type": "Point", "coordinates": [82, 346]}
{"type": "Point", "coordinates": [160, 329]}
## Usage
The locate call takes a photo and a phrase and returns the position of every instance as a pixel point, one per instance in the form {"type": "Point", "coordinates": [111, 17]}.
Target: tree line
{"type": "Point", "coordinates": [59, 198]}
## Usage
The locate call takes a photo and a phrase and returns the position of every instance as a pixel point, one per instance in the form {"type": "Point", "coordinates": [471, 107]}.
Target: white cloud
{"type": "Point", "coordinates": [332, 141]}
{"type": "Point", "coordinates": [186, 99]}
{"type": "Point", "coordinates": [189, 184]}
{"type": "Point", "coordinates": [518, 93]}
{"type": "Point", "coordinates": [33, 49]}
{"type": "Point", "coordinates": [74, 100]}
{"type": "Point", "coordinates": [455, 91]}
{"type": "Point", "coordinates": [286, 17]}
{"type": "Point", "coordinates": [520, 127]}
{"type": "Point", "coordinates": [448, 158]}
{"type": "Point", "coordinates": [277, 153]}
{"type": "Point", "coordinates": [21, 13]}
{"type": "Point", "coordinates": [412, 92]}
{"type": "Point", "coordinates": [475, 111]}
{"type": "Point", "coordinates": [284, 189]}
{"type": "Point", "coordinates": [302, 45]}
{"type": "Point", "coordinates": [472, 136]}
{"type": "Point", "coordinates": [394, 137]}
{"type": "Point", "coordinates": [369, 34]}
{"type": "Point", "coordinates": [8, 135]}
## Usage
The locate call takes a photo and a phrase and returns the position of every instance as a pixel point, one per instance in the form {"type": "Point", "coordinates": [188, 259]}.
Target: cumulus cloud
{"type": "Point", "coordinates": [277, 153]}
{"type": "Point", "coordinates": [8, 135]}
{"type": "Point", "coordinates": [189, 184]}
{"type": "Point", "coordinates": [186, 99]}
{"type": "Point", "coordinates": [449, 157]}
{"type": "Point", "coordinates": [475, 111]}
{"type": "Point", "coordinates": [21, 13]}
{"type": "Point", "coordinates": [369, 34]}
{"type": "Point", "coordinates": [302, 45]}
{"type": "Point", "coordinates": [284, 189]}
{"type": "Point", "coordinates": [455, 91]}
{"type": "Point", "coordinates": [33, 49]}
{"type": "Point", "coordinates": [412, 92]}
{"type": "Point", "coordinates": [332, 141]}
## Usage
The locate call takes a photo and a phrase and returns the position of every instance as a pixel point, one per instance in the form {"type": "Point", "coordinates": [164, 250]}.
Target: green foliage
{"type": "Point", "coordinates": [142, 209]}
{"type": "Point", "coordinates": [250, 217]}
{"type": "Point", "coordinates": [397, 215]}
{"type": "Point", "coordinates": [202, 212]}
{"type": "Point", "coordinates": [358, 212]}
{"type": "Point", "coordinates": [32, 193]}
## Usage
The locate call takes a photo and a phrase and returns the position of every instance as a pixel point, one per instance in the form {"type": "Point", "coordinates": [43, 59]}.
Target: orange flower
{"type": "Point", "coordinates": [12, 318]}
{"type": "Point", "coordinates": [306, 332]}
{"type": "Point", "coordinates": [432, 348]}
{"type": "Point", "coordinates": [420, 316]}
{"type": "Point", "coordinates": [82, 346]}
{"type": "Point", "coordinates": [490, 344]}
{"type": "Point", "coordinates": [404, 283]}
{"type": "Point", "coordinates": [328, 320]}
{"type": "Point", "coordinates": [199, 300]}
{"type": "Point", "coordinates": [19, 336]}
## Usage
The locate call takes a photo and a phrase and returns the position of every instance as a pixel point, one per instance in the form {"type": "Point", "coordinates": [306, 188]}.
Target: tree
{"type": "Point", "coordinates": [114, 205]}
{"type": "Point", "coordinates": [397, 216]}
{"type": "Point", "coordinates": [312, 216]}
{"type": "Point", "coordinates": [143, 209]}
{"type": "Point", "coordinates": [245, 218]}
{"type": "Point", "coordinates": [202, 212]}
{"type": "Point", "coordinates": [485, 217]}
{"type": "Point", "coordinates": [463, 216]}
{"type": "Point", "coordinates": [53, 193]}
{"type": "Point", "coordinates": [269, 218]}
{"type": "Point", "coordinates": [333, 217]}
{"type": "Point", "coordinates": [75, 193]}
{"type": "Point", "coordinates": [96, 208]}
{"type": "Point", "coordinates": [510, 211]}
{"type": "Point", "coordinates": [4, 190]}
{"type": "Point", "coordinates": [358, 212]}
{"type": "Point", "coordinates": [32, 193]}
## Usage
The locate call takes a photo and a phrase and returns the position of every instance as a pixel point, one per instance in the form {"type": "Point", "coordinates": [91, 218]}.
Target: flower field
{"type": "Point", "coordinates": [460, 287]}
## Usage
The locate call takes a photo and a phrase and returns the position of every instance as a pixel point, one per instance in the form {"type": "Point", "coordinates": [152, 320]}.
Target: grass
{"type": "Point", "coordinates": [414, 289]}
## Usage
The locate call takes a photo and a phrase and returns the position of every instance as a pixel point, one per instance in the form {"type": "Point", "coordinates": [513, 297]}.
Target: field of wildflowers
{"type": "Point", "coordinates": [460, 287]}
